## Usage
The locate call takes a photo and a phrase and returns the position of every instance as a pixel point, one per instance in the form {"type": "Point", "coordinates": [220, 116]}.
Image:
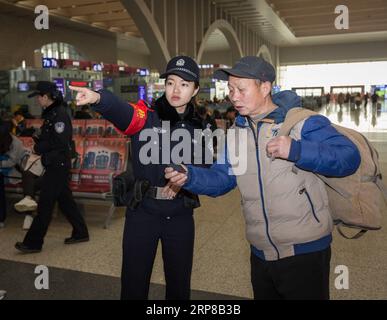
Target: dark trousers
{"type": "Point", "coordinates": [141, 236]}
{"type": "Point", "coordinates": [3, 203]}
{"type": "Point", "coordinates": [31, 183]}
{"type": "Point", "coordinates": [302, 277]}
{"type": "Point", "coordinates": [54, 187]}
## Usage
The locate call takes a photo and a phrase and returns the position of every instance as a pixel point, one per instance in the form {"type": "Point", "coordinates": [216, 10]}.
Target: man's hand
{"type": "Point", "coordinates": [279, 147]}
{"type": "Point", "coordinates": [176, 178]}
{"type": "Point", "coordinates": [85, 96]}
{"type": "Point", "coordinates": [170, 191]}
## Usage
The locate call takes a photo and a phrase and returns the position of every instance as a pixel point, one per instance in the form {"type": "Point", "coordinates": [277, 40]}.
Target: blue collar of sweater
{"type": "Point", "coordinates": [285, 100]}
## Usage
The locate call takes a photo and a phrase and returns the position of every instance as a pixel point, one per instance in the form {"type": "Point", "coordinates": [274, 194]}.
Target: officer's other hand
{"type": "Point", "coordinates": [85, 96]}
{"type": "Point", "coordinates": [279, 147]}
{"type": "Point", "coordinates": [176, 178]}
{"type": "Point", "coordinates": [170, 191]}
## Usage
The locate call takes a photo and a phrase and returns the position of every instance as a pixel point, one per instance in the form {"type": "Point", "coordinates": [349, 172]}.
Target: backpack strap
{"type": "Point", "coordinates": [294, 116]}
{"type": "Point", "coordinates": [382, 188]}
{"type": "Point", "coordinates": [356, 236]}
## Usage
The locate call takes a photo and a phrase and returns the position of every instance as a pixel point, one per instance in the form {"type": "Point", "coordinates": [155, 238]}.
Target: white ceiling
{"type": "Point", "coordinates": [282, 22]}
{"type": "Point", "coordinates": [217, 42]}
{"type": "Point", "coordinates": [310, 22]}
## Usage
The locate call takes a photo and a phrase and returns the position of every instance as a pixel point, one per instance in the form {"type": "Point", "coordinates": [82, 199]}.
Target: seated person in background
{"type": "Point", "coordinates": [12, 152]}
{"type": "Point", "coordinates": [31, 183]}
{"type": "Point", "coordinates": [24, 108]}
{"type": "Point", "coordinates": [230, 116]}
{"type": "Point", "coordinates": [205, 118]}
{"type": "Point", "coordinates": [216, 115]}
{"type": "Point", "coordinates": [31, 171]}
{"type": "Point", "coordinates": [19, 123]}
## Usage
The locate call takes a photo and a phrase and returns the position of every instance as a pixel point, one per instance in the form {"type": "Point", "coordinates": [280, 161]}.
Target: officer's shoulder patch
{"type": "Point", "coordinates": [59, 127]}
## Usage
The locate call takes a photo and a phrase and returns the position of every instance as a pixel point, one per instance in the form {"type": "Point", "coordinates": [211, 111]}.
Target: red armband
{"type": "Point", "coordinates": [140, 115]}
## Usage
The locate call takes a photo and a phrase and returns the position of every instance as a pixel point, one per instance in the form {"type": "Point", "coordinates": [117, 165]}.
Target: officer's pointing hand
{"type": "Point", "coordinates": [175, 178]}
{"type": "Point", "coordinates": [85, 96]}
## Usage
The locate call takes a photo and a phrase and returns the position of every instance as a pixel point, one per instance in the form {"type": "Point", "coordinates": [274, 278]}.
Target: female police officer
{"type": "Point", "coordinates": [160, 215]}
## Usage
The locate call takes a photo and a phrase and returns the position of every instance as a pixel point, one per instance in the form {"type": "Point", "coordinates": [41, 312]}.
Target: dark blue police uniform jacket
{"type": "Point", "coordinates": [132, 119]}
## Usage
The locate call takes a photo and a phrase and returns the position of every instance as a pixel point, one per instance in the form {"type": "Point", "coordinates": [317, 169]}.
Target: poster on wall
{"type": "Point", "coordinates": [112, 132]}
{"type": "Point", "coordinates": [76, 164]}
{"type": "Point", "coordinates": [34, 123]}
{"type": "Point", "coordinates": [79, 127]}
{"type": "Point", "coordinates": [102, 158]}
{"type": "Point", "coordinates": [95, 128]}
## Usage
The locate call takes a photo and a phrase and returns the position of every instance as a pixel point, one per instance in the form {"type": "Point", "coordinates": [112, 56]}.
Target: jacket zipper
{"type": "Point", "coordinates": [310, 202]}
{"type": "Point", "coordinates": [260, 185]}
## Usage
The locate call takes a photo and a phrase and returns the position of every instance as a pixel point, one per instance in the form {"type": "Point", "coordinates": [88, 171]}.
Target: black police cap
{"type": "Point", "coordinates": [184, 67]}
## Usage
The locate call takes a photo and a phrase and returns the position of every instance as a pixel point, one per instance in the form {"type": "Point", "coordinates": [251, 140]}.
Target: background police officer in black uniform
{"type": "Point", "coordinates": [157, 217]}
{"type": "Point", "coordinates": [54, 145]}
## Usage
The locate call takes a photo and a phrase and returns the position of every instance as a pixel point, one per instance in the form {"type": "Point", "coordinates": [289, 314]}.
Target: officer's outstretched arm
{"type": "Point", "coordinates": [128, 118]}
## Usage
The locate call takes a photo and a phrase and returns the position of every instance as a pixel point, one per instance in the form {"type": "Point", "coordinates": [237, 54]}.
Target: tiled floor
{"type": "Point", "coordinates": [221, 262]}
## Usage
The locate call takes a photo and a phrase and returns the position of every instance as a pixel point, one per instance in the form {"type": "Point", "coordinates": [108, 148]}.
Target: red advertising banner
{"type": "Point", "coordinates": [98, 159]}
{"type": "Point", "coordinates": [79, 128]}
{"type": "Point", "coordinates": [34, 123]}
{"type": "Point", "coordinates": [95, 128]}
{"type": "Point", "coordinates": [112, 132]}
{"type": "Point", "coordinates": [102, 157]}
{"type": "Point", "coordinates": [77, 164]}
